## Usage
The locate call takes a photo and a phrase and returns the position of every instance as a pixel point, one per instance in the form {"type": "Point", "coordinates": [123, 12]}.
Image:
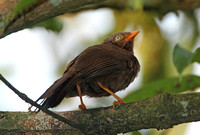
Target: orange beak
{"type": "Point", "coordinates": [132, 35]}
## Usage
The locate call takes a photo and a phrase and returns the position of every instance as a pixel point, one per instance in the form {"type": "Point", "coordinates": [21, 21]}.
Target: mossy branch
{"type": "Point", "coordinates": [20, 14]}
{"type": "Point", "coordinates": [160, 112]}
{"type": "Point", "coordinates": [16, 15]}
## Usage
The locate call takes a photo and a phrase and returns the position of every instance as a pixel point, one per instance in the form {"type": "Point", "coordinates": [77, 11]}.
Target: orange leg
{"type": "Point", "coordinates": [120, 101]}
{"type": "Point", "coordinates": [82, 105]}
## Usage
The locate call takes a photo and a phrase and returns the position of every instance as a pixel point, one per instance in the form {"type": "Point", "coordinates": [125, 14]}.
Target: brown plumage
{"type": "Point", "coordinates": [98, 71]}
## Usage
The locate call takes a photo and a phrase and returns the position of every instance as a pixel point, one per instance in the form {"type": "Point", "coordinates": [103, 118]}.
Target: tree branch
{"type": "Point", "coordinates": [160, 112]}
{"type": "Point", "coordinates": [15, 16]}
{"type": "Point", "coordinates": [28, 100]}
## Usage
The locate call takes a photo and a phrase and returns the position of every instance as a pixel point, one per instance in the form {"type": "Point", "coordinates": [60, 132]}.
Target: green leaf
{"type": "Point", "coordinates": [53, 24]}
{"type": "Point", "coordinates": [136, 133]}
{"type": "Point", "coordinates": [181, 58]}
{"type": "Point", "coordinates": [171, 85]}
{"type": "Point", "coordinates": [196, 56]}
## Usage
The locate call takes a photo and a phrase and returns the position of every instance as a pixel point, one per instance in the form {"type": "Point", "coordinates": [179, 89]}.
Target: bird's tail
{"type": "Point", "coordinates": [55, 93]}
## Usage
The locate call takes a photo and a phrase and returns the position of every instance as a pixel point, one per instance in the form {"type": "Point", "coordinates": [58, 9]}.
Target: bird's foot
{"type": "Point", "coordinates": [82, 107]}
{"type": "Point", "coordinates": [118, 102]}
{"type": "Point", "coordinates": [29, 109]}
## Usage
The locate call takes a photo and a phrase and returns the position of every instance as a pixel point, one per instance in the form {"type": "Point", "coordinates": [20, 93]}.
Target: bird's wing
{"type": "Point", "coordinates": [97, 61]}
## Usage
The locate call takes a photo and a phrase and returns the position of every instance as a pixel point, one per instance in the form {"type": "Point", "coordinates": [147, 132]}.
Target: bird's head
{"type": "Point", "coordinates": [123, 40]}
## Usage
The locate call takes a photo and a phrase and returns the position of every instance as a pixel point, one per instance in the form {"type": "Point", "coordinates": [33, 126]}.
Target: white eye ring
{"type": "Point", "coordinates": [118, 38]}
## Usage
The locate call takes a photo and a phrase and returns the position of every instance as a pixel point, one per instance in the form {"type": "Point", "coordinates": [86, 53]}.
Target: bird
{"type": "Point", "coordinates": [100, 70]}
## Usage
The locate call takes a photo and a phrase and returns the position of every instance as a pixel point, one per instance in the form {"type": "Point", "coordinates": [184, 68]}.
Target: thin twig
{"type": "Point", "coordinates": [28, 100]}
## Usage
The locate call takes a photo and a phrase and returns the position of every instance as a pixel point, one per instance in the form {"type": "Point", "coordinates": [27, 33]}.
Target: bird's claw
{"type": "Point", "coordinates": [82, 107]}
{"type": "Point", "coordinates": [117, 103]}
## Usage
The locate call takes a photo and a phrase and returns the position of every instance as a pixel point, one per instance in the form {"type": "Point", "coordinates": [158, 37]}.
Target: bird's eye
{"type": "Point", "coordinates": [117, 38]}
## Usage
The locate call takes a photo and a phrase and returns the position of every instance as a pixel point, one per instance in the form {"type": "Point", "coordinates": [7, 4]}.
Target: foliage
{"type": "Point", "coordinates": [171, 85]}
{"type": "Point", "coordinates": [182, 58]}
{"type": "Point", "coordinates": [196, 56]}
{"type": "Point", "coordinates": [53, 24]}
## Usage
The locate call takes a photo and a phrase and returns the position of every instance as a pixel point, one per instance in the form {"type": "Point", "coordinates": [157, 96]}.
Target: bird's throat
{"type": "Point", "coordinates": [129, 47]}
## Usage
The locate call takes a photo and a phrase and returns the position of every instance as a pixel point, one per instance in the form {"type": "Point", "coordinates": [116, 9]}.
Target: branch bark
{"type": "Point", "coordinates": [15, 16]}
{"type": "Point", "coordinates": [28, 100]}
{"type": "Point", "coordinates": [160, 112]}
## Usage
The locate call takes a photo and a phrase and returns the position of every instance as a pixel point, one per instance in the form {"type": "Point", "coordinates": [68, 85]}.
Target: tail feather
{"type": "Point", "coordinates": [56, 85]}
{"type": "Point", "coordinates": [54, 99]}
{"type": "Point", "coordinates": [55, 93]}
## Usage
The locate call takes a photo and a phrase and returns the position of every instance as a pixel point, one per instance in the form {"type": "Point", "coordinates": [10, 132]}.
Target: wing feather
{"type": "Point", "coordinates": [97, 61]}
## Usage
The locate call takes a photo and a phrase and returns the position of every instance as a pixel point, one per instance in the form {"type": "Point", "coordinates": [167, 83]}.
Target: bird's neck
{"type": "Point", "coordinates": [129, 47]}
